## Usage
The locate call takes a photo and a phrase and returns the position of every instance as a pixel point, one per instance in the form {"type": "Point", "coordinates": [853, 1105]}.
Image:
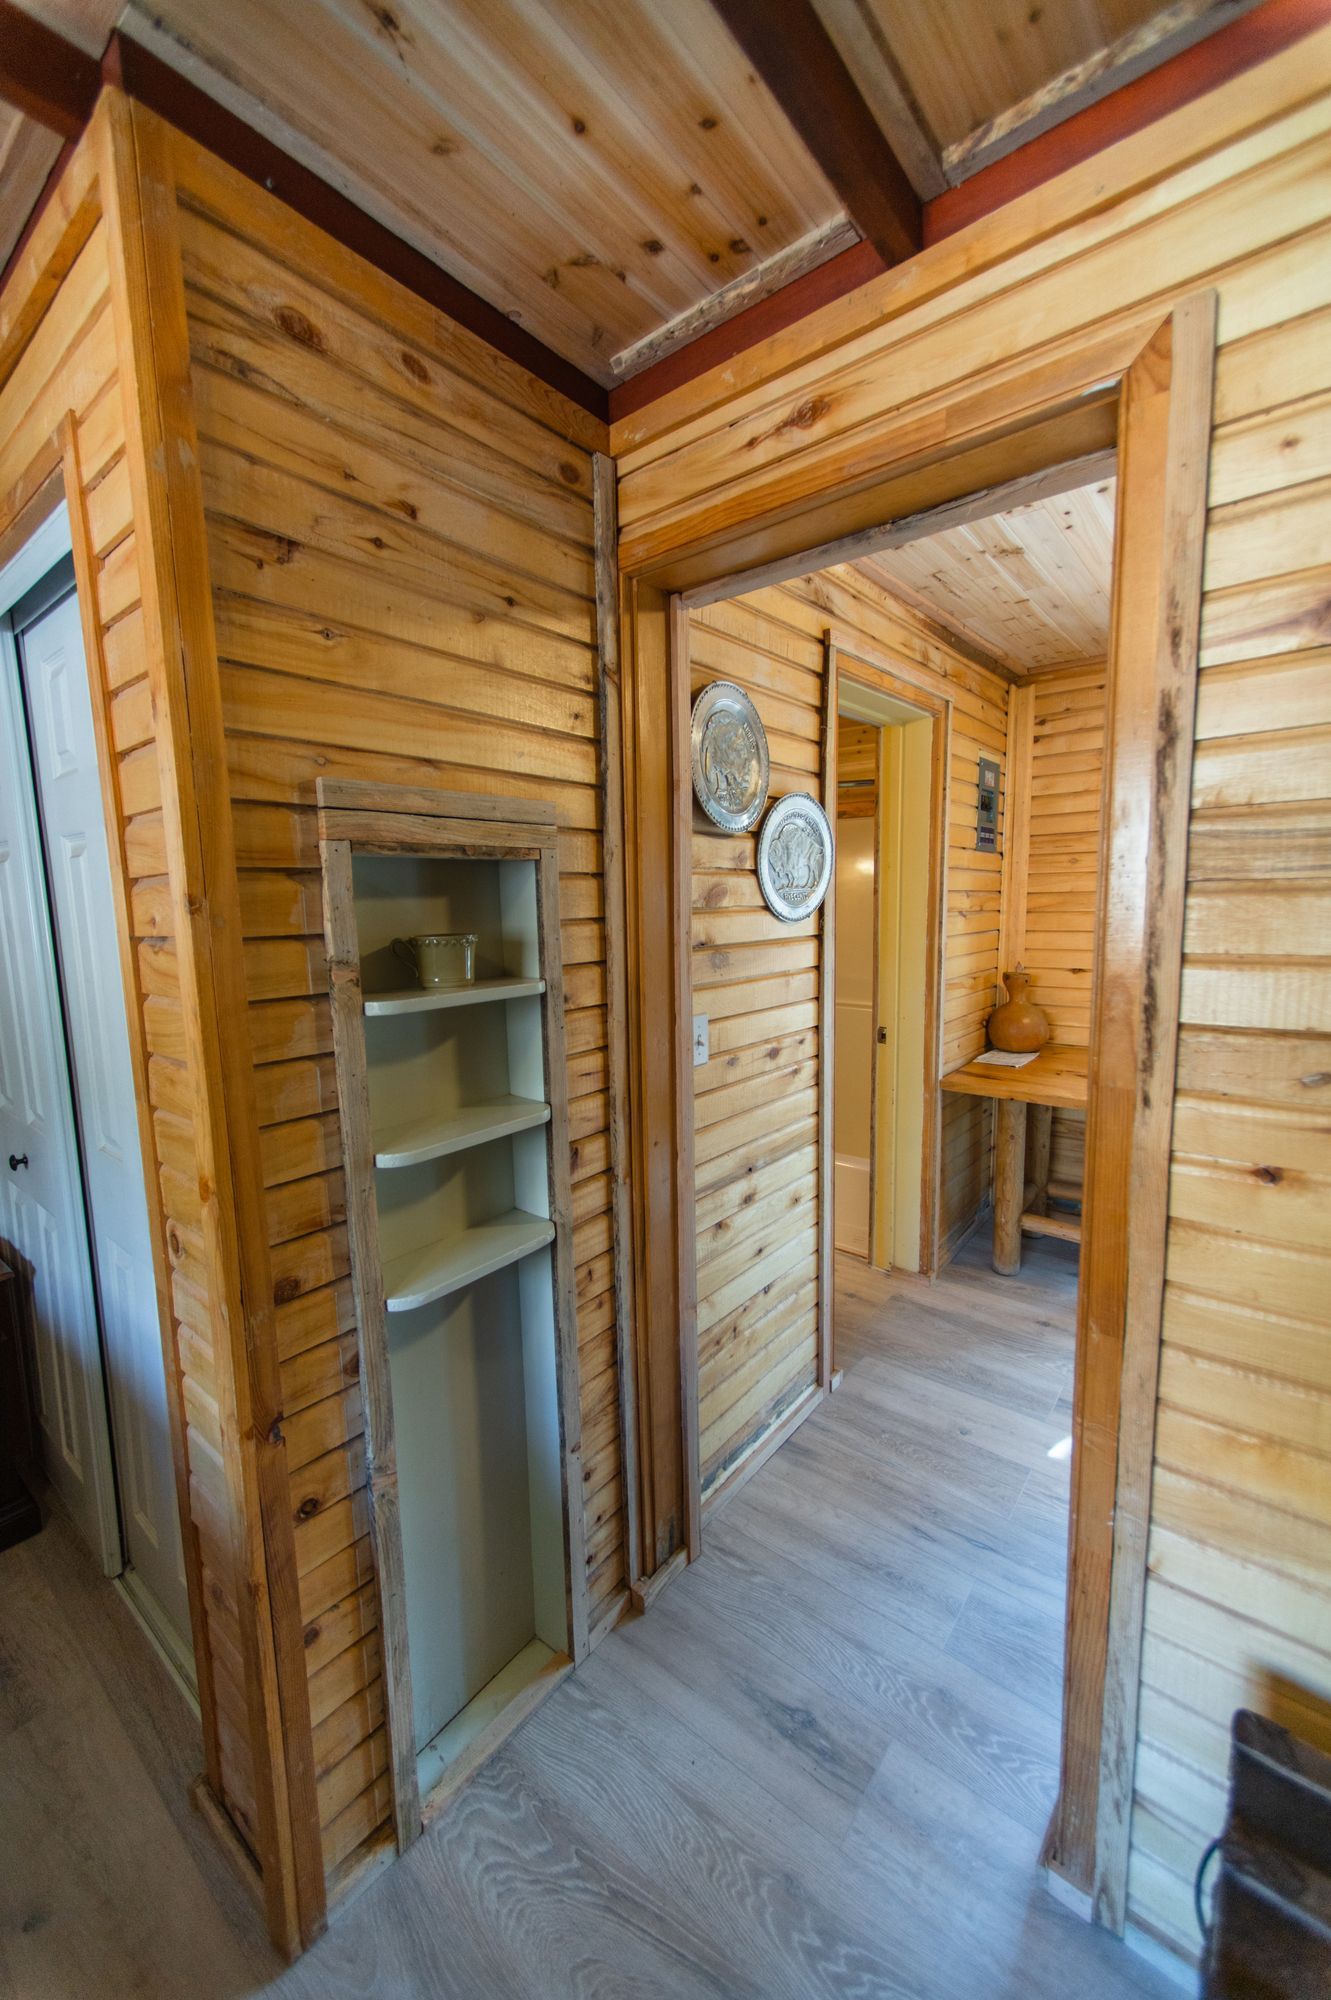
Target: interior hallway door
{"type": "Point", "coordinates": [78, 885]}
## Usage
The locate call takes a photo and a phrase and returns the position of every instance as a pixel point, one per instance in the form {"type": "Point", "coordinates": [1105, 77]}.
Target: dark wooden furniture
{"type": "Point", "coordinates": [1270, 1936]}
{"type": "Point", "coordinates": [19, 1513]}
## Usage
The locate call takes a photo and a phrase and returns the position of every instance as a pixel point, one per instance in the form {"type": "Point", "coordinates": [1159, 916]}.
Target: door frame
{"type": "Point", "coordinates": [858, 664]}
{"type": "Point", "coordinates": [44, 520]}
{"type": "Point", "coordinates": [1144, 384]}
{"type": "Point", "coordinates": [49, 545]}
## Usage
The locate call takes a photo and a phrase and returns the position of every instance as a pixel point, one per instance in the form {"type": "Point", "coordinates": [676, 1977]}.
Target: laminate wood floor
{"type": "Point", "coordinates": [821, 1766]}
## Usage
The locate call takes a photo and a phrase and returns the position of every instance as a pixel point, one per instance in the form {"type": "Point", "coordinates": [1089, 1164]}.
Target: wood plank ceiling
{"type": "Point", "coordinates": [617, 175]}
{"type": "Point", "coordinates": [1028, 588]}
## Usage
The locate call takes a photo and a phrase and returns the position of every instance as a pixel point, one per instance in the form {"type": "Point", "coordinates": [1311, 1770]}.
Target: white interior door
{"type": "Point", "coordinates": [64, 751]}
{"type": "Point", "coordinates": [42, 1223]}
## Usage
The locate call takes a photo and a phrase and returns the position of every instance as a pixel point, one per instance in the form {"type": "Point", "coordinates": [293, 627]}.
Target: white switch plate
{"type": "Point", "coordinates": [701, 1041]}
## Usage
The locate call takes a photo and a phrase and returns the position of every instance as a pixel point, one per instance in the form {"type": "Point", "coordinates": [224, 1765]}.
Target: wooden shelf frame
{"type": "Point", "coordinates": [358, 819]}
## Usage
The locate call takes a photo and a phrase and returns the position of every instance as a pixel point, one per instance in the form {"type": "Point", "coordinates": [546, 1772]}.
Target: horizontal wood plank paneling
{"type": "Point", "coordinates": [1232, 192]}
{"type": "Point", "coordinates": [403, 589]}
{"type": "Point", "coordinates": [755, 1135]}
{"type": "Point", "coordinates": [1057, 945]}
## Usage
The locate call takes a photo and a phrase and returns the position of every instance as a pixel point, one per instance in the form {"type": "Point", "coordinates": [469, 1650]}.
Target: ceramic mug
{"type": "Point", "coordinates": [445, 958]}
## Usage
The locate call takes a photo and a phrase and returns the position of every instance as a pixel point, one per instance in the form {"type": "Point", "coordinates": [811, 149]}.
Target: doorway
{"type": "Point", "coordinates": [73, 1212]}
{"type": "Point", "coordinates": [885, 973]}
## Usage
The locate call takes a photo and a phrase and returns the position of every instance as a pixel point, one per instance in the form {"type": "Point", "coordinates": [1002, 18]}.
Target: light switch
{"type": "Point", "coordinates": [701, 1041]}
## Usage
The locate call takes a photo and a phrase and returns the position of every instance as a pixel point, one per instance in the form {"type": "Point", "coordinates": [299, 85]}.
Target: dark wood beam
{"type": "Point", "coordinates": [44, 76]}
{"type": "Point", "coordinates": [798, 61]}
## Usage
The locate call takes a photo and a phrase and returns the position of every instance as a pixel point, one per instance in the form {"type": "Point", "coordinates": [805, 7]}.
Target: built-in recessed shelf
{"type": "Point", "coordinates": [520, 1684]}
{"type": "Point", "coordinates": [425, 999]}
{"type": "Point", "coordinates": [418, 1277]}
{"type": "Point", "coordinates": [430, 1137]}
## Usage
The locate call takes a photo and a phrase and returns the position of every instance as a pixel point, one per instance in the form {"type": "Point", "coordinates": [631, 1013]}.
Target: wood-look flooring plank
{"type": "Point", "coordinates": [819, 1767]}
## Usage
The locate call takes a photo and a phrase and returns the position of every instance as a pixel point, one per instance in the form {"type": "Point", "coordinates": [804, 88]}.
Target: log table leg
{"type": "Point", "coordinates": [1009, 1185]}
{"type": "Point", "coordinates": [1042, 1133]}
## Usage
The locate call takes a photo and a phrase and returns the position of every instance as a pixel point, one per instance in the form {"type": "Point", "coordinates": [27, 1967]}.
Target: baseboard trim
{"type": "Point", "coordinates": [1069, 1895]}
{"type": "Point", "coordinates": [1171, 1962]}
{"type": "Point", "coordinates": [243, 1865]}
{"type": "Point", "coordinates": [761, 1450]}
{"type": "Point", "coordinates": [164, 1642]}
{"type": "Point", "coordinates": [645, 1592]}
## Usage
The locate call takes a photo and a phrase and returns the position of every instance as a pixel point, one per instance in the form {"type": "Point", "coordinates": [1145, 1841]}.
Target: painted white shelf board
{"type": "Point", "coordinates": [418, 1277]}
{"type": "Point", "coordinates": [536, 1662]}
{"type": "Point", "coordinates": [431, 1138]}
{"type": "Point", "coordinates": [424, 999]}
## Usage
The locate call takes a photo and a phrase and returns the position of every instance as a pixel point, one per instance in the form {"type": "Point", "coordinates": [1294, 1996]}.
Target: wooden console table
{"type": "Point", "coordinates": [1056, 1079]}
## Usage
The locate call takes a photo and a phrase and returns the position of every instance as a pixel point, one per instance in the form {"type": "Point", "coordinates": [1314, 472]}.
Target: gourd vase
{"type": "Point", "coordinates": [1018, 1026]}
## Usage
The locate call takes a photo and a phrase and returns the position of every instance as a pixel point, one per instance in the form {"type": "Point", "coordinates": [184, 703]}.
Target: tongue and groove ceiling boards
{"type": "Point", "coordinates": [1027, 588]}
{"type": "Point", "coordinates": [620, 176]}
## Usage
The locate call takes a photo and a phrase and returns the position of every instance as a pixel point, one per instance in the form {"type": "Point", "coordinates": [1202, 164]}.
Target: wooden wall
{"type": "Point", "coordinates": [1058, 843]}
{"type": "Point", "coordinates": [756, 1100]}
{"type": "Point", "coordinates": [399, 531]}
{"type": "Point", "coordinates": [72, 365]}
{"type": "Point", "coordinates": [1233, 192]}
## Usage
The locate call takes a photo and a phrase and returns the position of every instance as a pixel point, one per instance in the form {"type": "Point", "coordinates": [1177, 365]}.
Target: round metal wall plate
{"type": "Point", "coordinates": [795, 857]}
{"type": "Point", "coordinates": [731, 766]}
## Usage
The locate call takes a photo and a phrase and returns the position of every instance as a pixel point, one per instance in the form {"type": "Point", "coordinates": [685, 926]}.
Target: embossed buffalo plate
{"type": "Point", "coordinates": [794, 857]}
{"type": "Point", "coordinates": [731, 766]}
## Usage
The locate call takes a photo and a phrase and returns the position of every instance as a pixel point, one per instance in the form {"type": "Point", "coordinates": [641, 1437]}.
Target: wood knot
{"type": "Point", "coordinates": [1270, 1176]}
{"type": "Point", "coordinates": [285, 1289]}
{"type": "Point", "coordinates": [414, 366]}
{"type": "Point", "coordinates": [298, 327]}
{"type": "Point", "coordinates": [308, 1507]}
{"type": "Point", "coordinates": [311, 1633]}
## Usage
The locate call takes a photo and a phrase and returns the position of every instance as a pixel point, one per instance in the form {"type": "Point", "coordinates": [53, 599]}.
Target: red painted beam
{"type": "Point", "coordinates": [44, 76]}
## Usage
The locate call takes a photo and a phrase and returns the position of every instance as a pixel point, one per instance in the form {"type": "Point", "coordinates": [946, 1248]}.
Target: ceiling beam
{"type": "Point", "coordinates": [859, 35]}
{"type": "Point", "coordinates": [798, 61]}
{"type": "Point", "coordinates": [44, 76]}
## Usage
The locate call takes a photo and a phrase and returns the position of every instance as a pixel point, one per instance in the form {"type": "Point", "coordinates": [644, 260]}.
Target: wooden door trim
{"type": "Point", "coordinates": [857, 662]}
{"type": "Point", "coordinates": [1147, 384]}
{"type": "Point", "coordinates": [657, 884]}
{"type": "Point", "coordinates": [826, 1376]}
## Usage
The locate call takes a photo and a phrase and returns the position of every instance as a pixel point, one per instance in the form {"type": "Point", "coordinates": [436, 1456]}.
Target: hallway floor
{"type": "Point", "coordinates": [821, 1766]}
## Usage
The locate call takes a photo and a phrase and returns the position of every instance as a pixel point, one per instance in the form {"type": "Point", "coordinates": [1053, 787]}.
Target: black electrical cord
{"type": "Point", "coordinates": [1197, 1889]}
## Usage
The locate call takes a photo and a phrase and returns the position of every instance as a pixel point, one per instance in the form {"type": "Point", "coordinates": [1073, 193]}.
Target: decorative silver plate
{"type": "Point", "coordinates": [731, 766]}
{"type": "Point", "coordinates": [795, 857]}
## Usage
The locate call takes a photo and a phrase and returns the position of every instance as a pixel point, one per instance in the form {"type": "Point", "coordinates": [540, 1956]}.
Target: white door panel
{"type": "Point", "coordinates": [45, 1228]}
{"type": "Point", "coordinates": [65, 752]}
